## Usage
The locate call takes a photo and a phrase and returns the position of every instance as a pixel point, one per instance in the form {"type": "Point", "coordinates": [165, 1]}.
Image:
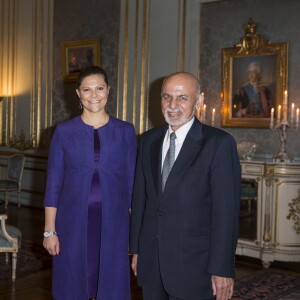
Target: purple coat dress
{"type": "Point", "coordinates": [71, 167]}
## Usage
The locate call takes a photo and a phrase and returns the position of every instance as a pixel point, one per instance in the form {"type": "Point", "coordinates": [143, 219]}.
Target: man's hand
{"type": "Point", "coordinates": [222, 287]}
{"type": "Point", "coordinates": [134, 263]}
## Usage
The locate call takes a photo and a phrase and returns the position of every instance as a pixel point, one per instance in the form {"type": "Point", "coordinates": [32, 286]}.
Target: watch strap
{"type": "Point", "coordinates": [49, 233]}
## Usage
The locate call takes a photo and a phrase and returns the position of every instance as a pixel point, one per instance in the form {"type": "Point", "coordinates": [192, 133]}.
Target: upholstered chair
{"type": "Point", "coordinates": [10, 242]}
{"type": "Point", "coordinates": [12, 182]}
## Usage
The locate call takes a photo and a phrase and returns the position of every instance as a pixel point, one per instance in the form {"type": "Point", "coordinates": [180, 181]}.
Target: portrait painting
{"type": "Point", "coordinates": [253, 86]}
{"type": "Point", "coordinates": [78, 55]}
{"type": "Point", "coordinates": [254, 78]}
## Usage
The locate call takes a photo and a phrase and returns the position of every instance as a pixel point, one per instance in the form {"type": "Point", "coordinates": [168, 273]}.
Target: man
{"type": "Point", "coordinates": [252, 99]}
{"type": "Point", "coordinates": [184, 231]}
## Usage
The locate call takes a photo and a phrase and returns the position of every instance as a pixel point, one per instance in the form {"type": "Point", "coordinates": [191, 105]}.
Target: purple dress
{"type": "Point", "coordinates": [81, 269]}
{"type": "Point", "coordinates": [94, 225]}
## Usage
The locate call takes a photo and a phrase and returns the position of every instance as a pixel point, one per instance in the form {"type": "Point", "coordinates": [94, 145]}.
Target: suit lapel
{"type": "Point", "coordinates": [190, 148]}
{"type": "Point", "coordinates": [156, 153]}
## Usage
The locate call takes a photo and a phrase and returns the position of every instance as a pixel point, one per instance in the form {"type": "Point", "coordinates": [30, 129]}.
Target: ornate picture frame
{"type": "Point", "coordinates": [254, 78]}
{"type": "Point", "coordinates": [77, 55]}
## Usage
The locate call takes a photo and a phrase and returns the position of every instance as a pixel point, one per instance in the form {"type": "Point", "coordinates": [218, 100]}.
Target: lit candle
{"type": "Point", "coordinates": [272, 118]}
{"type": "Point", "coordinates": [204, 113]}
{"type": "Point", "coordinates": [285, 106]}
{"type": "Point", "coordinates": [297, 116]}
{"type": "Point", "coordinates": [202, 97]}
{"type": "Point", "coordinates": [285, 97]}
{"type": "Point", "coordinates": [292, 113]}
{"type": "Point", "coordinates": [213, 115]}
{"type": "Point", "coordinates": [278, 113]}
{"type": "Point", "coordinates": [198, 113]}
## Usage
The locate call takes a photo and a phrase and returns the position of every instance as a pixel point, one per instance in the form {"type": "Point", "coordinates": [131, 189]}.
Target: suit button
{"type": "Point", "coordinates": [159, 213]}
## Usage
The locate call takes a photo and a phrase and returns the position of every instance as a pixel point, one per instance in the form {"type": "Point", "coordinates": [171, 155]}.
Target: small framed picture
{"type": "Point", "coordinates": [77, 55]}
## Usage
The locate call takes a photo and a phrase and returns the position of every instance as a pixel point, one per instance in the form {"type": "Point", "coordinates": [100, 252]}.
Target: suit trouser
{"type": "Point", "coordinates": [153, 289]}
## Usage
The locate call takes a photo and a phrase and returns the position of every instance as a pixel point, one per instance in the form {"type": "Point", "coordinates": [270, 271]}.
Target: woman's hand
{"type": "Point", "coordinates": [51, 244]}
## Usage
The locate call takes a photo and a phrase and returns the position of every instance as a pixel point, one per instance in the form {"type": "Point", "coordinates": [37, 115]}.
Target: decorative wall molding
{"type": "Point", "coordinates": [156, 38]}
{"type": "Point", "coordinates": [26, 70]}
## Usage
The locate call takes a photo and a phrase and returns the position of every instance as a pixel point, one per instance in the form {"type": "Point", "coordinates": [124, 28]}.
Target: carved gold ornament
{"type": "Point", "coordinates": [294, 213]}
{"type": "Point", "coordinates": [251, 42]}
{"type": "Point", "coordinates": [21, 143]}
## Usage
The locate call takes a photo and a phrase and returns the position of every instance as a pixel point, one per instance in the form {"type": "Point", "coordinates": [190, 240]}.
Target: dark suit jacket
{"type": "Point", "coordinates": [194, 224]}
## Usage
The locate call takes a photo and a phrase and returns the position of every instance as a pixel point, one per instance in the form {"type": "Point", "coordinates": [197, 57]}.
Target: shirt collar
{"type": "Point", "coordinates": [182, 131]}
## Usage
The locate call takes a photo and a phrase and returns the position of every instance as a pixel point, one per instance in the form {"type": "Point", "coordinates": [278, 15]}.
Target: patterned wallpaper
{"type": "Point", "coordinates": [221, 27]}
{"type": "Point", "coordinates": [78, 20]}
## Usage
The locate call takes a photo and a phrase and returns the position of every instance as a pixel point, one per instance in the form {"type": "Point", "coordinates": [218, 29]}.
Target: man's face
{"type": "Point", "coordinates": [179, 99]}
{"type": "Point", "coordinates": [252, 75]}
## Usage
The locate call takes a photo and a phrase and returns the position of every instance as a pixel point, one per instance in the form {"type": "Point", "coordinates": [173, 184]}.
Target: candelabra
{"type": "Point", "coordinates": [282, 126]}
{"type": "Point", "coordinates": [201, 114]}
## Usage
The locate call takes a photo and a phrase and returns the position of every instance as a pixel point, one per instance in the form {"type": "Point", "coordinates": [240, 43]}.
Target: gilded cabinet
{"type": "Point", "coordinates": [270, 211]}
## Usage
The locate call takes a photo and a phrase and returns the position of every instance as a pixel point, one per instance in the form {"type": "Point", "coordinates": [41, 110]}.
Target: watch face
{"type": "Point", "coordinates": [46, 234]}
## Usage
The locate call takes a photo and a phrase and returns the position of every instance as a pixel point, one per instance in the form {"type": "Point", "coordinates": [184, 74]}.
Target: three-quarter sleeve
{"type": "Point", "coordinates": [55, 171]}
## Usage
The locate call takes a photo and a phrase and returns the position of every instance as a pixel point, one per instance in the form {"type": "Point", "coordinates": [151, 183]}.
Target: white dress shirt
{"type": "Point", "coordinates": [181, 133]}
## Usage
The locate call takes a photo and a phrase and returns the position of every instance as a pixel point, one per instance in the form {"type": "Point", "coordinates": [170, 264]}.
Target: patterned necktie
{"type": "Point", "coordinates": [169, 160]}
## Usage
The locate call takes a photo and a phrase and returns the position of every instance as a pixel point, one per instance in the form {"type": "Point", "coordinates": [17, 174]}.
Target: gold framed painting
{"type": "Point", "coordinates": [79, 54]}
{"type": "Point", "coordinates": [254, 78]}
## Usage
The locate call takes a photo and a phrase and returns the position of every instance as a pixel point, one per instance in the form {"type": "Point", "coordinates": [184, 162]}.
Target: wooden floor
{"type": "Point", "coordinates": [37, 286]}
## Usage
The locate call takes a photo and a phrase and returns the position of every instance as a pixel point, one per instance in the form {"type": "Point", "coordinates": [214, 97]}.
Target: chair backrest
{"type": "Point", "coordinates": [15, 167]}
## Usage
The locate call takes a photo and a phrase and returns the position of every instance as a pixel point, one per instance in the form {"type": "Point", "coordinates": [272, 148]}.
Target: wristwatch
{"type": "Point", "coordinates": [49, 233]}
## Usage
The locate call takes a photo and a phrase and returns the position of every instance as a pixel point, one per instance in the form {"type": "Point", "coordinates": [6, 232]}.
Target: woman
{"type": "Point", "coordinates": [88, 195]}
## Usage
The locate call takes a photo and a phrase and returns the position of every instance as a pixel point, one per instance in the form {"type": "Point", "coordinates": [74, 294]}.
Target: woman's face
{"type": "Point", "coordinates": [93, 93]}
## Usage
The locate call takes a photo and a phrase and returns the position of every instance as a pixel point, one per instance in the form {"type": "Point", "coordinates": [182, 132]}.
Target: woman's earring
{"type": "Point", "coordinates": [80, 105]}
